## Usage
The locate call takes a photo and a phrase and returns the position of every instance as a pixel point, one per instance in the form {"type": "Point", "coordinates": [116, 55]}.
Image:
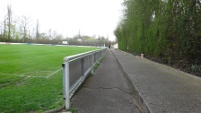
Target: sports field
{"type": "Point", "coordinates": [31, 77]}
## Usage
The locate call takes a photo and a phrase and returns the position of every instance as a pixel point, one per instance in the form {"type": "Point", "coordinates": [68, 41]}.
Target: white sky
{"type": "Point", "coordinates": [91, 17]}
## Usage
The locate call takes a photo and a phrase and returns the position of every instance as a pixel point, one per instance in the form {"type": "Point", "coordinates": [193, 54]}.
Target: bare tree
{"type": "Point", "coordinates": [1, 31]}
{"type": "Point", "coordinates": [24, 21]}
{"type": "Point", "coordinates": [50, 34]}
{"type": "Point", "coordinates": [1, 28]}
{"type": "Point", "coordinates": [9, 18]}
{"type": "Point", "coordinates": [37, 30]}
{"type": "Point", "coordinates": [4, 28]}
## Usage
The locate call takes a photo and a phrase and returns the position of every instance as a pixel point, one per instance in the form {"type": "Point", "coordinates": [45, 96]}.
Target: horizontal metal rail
{"type": "Point", "coordinates": [75, 70]}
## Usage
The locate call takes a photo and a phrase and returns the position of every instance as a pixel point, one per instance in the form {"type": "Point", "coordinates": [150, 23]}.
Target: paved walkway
{"type": "Point", "coordinates": [106, 91]}
{"type": "Point", "coordinates": [156, 88]}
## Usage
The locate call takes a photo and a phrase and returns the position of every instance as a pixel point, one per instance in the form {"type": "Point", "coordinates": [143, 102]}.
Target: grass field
{"type": "Point", "coordinates": [31, 77]}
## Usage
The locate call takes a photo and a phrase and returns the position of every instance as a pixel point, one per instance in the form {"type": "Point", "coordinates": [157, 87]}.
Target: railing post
{"type": "Point", "coordinates": [64, 78]}
{"type": "Point", "coordinates": [82, 66]}
{"type": "Point", "coordinates": [92, 63]}
{"type": "Point", "coordinates": [67, 84]}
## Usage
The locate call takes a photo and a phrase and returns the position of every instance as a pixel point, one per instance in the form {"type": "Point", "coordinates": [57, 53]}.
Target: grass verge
{"type": "Point", "coordinates": [24, 85]}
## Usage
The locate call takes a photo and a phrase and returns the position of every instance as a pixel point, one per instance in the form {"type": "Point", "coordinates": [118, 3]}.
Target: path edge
{"type": "Point", "coordinates": [138, 100]}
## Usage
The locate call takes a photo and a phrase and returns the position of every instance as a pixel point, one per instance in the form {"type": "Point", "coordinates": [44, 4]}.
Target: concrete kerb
{"type": "Point", "coordinates": [166, 67]}
{"type": "Point", "coordinates": [56, 110]}
{"type": "Point", "coordinates": [138, 100]}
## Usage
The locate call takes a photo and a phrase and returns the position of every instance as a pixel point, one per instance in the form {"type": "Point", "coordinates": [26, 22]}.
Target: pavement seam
{"type": "Point", "coordinates": [107, 88]}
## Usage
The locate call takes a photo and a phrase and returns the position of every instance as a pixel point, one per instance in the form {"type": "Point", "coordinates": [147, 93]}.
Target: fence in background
{"type": "Point", "coordinates": [75, 70]}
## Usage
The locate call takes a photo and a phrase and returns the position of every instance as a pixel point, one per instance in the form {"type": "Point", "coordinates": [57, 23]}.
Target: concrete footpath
{"type": "Point", "coordinates": [106, 91]}
{"type": "Point", "coordinates": [124, 81]}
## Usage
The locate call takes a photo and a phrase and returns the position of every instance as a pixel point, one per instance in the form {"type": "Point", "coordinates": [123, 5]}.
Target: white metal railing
{"type": "Point", "coordinates": [75, 70]}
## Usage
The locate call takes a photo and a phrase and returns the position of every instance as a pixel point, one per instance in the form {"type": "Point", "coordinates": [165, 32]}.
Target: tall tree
{"type": "Point", "coordinates": [9, 18]}
{"type": "Point", "coordinates": [4, 29]}
{"type": "Point", "coordinates": [24, 21]}
{"type": "Point", "coordinates": [37, 30]}
{"type": "Point", "coordinates": [164, 29]}
{"type": "Point", "coordinates": [50, 34]}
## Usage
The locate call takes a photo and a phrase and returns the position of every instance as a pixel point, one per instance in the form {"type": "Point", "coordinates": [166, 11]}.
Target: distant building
{"type": "Point", "coordinates": [65, 42]}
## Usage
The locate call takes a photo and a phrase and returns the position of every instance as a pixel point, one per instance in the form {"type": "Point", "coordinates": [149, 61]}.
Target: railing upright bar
{"type": "Point", "coordinates": [67, 84]}
{"type": "Point", "coordinates": [64, 80]}
{"type": "Point", "coordinates": [92, 63]}
{"type": "Point", "coordinates": [82, 67]}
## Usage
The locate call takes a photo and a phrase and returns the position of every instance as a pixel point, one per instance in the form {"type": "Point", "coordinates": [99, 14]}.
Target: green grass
{"type": "Point", "coordinates": [26, 80]}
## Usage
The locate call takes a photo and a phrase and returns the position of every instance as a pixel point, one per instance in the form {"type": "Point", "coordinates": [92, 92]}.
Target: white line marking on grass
{"type": "Point", "coordinates": [36, 77]}
{"type": "Point", "coordinates": [11, 74]}
{"type": "Point", "coordinates": [30, 76]}
{"type": "Point", "coordinates": [48, 76]}
{"type": "Point", "coordinates": [6, 74]}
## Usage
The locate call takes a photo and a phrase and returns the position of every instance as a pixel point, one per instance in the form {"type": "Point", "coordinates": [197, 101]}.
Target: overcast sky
{"type": "Point", "coordinates": [91, 17]}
